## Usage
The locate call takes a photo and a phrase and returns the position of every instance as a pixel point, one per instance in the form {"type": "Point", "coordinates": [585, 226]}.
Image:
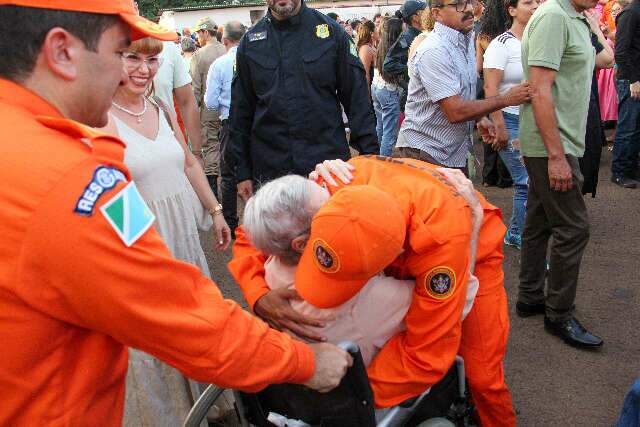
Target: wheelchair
{"type": "Point", "coordinates": [446, 404]}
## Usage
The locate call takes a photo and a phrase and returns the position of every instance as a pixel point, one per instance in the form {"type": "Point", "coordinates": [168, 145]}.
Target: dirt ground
{"type": "Point", "coordinates": [553, 384]}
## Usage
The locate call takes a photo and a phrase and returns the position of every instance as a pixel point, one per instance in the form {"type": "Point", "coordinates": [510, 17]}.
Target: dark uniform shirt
{"type": "Point", "coordinates": [291, 78]}
{"type": "Point", "coordinates": [628, 43]}
{"type": "Point", "coordinates": [398, 55]}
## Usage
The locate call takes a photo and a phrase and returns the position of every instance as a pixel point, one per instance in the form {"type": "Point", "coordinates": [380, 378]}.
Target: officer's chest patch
{"type": "Point", "coordinates": [128, 214]}
{"type": "Point", "coordinates": [254, 37]}
{"type": "Point", "coordinates": [440, 283]}
{"type": "Point", "coordinates": [104, 179]}
{"type": "Point", "coordinates": [322, 31]}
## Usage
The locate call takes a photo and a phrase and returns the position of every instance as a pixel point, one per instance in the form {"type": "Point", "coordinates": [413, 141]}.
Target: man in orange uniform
{"type": "Point", "coordinates": [413, 361]}
{"type": "Point", "coordinates": [83, 274]}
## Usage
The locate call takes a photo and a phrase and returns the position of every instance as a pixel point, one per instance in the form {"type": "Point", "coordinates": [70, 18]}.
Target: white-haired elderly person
{"type": "Point", "coordinates": [278, 228]}
{"type": "Point", "coordinates": [439, 252]}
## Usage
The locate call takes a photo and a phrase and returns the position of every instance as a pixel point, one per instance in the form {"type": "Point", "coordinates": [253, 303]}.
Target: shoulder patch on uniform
{"type": "Point", "coordinates": [325, 257]}
{"type": "Point", "coordinates": [353, 49]}
{"type": "Point", "coordinates": [440, 283]}
{"type": "Point", "coordinates": [104, 179]}
{"type": "Point", "coordinates": [254, 37]}
{"type": "Point", "coordinates": [322, 31]}
{"type": "Point", "coordinates": [128, 214]}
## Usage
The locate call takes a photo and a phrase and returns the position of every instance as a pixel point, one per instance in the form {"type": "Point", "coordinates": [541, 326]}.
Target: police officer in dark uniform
{"type": "Point", "coordinates": [395, 62]}
{"type": "Point", "coordinates": [293, 70]}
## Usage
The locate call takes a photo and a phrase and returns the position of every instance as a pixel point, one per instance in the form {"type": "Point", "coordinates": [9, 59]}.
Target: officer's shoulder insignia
{"type": "Point", "coordinates": [322, 31]}
{"type": "Point", "coordinates": [353, 49]}
{"type": "Point", "coordinates": [325, 257]}
{"type": "Point", "coordinates": [440, 283]}
{"type": "Point", "coordinates": [254, 37]}
{"type": "Point", "coordinates": [128, 214]}
{"type": "Point", "coordinates": [104, 179]}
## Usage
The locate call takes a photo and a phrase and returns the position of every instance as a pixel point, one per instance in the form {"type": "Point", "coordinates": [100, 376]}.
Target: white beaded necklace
{"type": "Point", "coordinates": [138, 116]}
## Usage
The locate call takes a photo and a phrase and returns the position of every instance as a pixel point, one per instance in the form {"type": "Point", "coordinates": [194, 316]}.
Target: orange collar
{"type": "Point", "coordinates": [15, 95]}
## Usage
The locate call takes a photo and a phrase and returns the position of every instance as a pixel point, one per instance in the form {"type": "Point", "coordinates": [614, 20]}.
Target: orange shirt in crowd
{"type": "Point", "coordinates": [73, 295]}
{"type": "Point", "coordinates": [607, 17]}
{"type": "Point", "coordinates": [438, 237]}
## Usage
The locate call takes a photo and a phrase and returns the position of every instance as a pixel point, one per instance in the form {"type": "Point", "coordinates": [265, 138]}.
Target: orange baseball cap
{"type": "Point", "coordinates": [140, 27]}
{"type": "Point", "coordinates": [354, 236]}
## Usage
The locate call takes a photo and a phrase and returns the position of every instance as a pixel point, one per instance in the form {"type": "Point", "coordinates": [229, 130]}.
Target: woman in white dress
{"type": "Point", "coordinates": [174, 185]}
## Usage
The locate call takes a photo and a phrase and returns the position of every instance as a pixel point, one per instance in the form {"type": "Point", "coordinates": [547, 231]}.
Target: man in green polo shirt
{"type": "Point", "coordinates": [558, 60]}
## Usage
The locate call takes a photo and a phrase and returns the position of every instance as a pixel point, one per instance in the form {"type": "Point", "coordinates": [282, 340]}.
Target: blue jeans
{"type": "Point", "coordinates": [627, 144]}
{"type": "Point", "coordinates": [630, 416]}
{"type": "Point", "coordinates": [511, 158]}
{"type": "Point", "coordinates": [386, 104]}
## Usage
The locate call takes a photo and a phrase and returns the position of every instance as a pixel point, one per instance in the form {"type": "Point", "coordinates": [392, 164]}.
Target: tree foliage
{"type": "Point", "coordinates": [151, 8]}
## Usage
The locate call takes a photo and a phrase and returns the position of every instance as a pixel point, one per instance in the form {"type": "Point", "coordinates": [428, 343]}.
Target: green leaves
{"type": "Point", "coordinates": [151, 8]}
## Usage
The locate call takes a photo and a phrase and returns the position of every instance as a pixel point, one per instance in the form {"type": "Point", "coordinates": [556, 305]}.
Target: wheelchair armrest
{"type": "Point", "coordinates": [351, 403]}
{"type": "Point", "coordinates": [357, 375]}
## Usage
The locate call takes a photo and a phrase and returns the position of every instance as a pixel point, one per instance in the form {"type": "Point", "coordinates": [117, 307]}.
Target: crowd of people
{"type": "Point", "coordinates": [137, 139]}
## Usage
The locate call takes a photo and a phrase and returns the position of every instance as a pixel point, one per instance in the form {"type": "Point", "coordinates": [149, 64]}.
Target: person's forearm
{"type": "Point", "coordinates": [544, 112]}
{"type": "Point", "coordinates": [190, 116]}
{"type": "Point", "coordinates": [605, 59]}
{"type": "Point", "coordinates": [474, 110]}
{"type": "Point", "coordinates": [199, 182]}
{"type": "Point", "coordinates": [247, 268]}
{"type": "Point", "coordinates": [491, 91]}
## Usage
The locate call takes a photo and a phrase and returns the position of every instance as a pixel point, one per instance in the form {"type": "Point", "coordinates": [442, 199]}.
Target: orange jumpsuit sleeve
{"type": "Point", "coordinates": [76, 269]}
{"type": "Point", "coordinates": [418, 358]}
{"type": "Point", "coordinates": [247, 268]}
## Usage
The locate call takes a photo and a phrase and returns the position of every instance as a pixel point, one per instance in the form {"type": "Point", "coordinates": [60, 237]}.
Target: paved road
{"type": "Point", "coordinates": [553, 384]}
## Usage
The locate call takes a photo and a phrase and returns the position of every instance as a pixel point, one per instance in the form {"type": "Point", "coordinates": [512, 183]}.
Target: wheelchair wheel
{"type": "Point", "coordinates": [199, 411]}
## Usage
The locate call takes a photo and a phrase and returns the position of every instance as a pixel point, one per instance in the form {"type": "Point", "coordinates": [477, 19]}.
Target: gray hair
{"type": "Point", "coordinates": [277, 214]}
{"type": "Point", "coordinates": [233, 31]}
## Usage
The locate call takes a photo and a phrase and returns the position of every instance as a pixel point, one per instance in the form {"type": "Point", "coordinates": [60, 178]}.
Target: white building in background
{"type": "Point", "coordinates": [249, 13]}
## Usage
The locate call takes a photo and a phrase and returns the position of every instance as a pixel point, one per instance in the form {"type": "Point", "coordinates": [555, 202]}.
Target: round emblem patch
{"type": "Point", "coordinates": [440, 283]}
{"type": "Point", "coordinates": [325, 258]}
{"type": "Point", "coordinates": [105, 178]}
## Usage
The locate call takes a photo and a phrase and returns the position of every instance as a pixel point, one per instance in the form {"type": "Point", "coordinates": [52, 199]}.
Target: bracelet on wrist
{"type": "Point", "coordinates": [216, 210]}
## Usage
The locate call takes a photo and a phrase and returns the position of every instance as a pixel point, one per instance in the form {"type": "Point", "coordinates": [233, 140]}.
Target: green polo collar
{"type": "Point", "coordinates": [570, 10]}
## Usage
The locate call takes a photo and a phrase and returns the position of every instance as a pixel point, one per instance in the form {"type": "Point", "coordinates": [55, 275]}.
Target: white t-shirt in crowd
{"type": "Point", "coordinates": [504, 54]}
{"type": "Point", "coordinates": [173, 73]}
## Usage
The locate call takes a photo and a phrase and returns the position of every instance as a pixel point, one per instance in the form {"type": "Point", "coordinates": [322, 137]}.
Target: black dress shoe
{"type": "Point", "coordinates": [623, 181]}
{"type": "Point", "coordinates": [573, 333]}
{"type": "Point", "coordinates": [527, 310]}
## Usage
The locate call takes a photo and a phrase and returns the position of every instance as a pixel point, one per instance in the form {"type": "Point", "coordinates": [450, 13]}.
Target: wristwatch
{"type": "Point", "coordinates": [215, 210]}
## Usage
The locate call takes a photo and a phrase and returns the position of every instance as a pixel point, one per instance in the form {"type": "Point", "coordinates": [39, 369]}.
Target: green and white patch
{"type": "Point", "coordinates": [128, 214]}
